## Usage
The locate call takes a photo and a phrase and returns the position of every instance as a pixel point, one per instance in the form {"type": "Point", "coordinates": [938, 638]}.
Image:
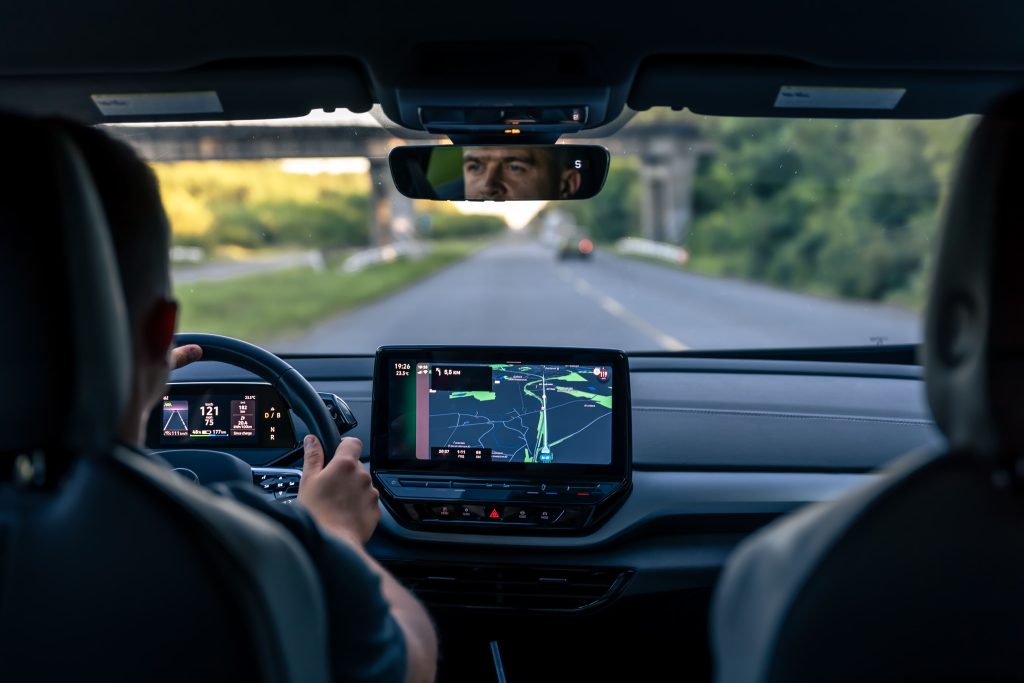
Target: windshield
{"type": "Point", "coordinates": [711, 233]}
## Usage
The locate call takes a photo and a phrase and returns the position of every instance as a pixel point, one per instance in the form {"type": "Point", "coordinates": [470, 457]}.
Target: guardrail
{"type": "Point", "coordinates": [385, 254]}
{"type": "Point", "coordinates": [652, 249]}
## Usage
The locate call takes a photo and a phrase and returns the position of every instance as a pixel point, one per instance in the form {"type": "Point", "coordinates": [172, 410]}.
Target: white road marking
{"type": "Point", "coordinates": [667, 341]}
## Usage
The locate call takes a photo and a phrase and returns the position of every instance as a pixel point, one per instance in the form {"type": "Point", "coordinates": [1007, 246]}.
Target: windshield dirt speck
{"type": "Point", "coordinates": [710, 233]}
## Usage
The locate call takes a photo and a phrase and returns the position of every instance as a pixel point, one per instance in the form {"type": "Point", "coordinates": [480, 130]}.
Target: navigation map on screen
{"type": "Point", "coordinates": [535, 413]}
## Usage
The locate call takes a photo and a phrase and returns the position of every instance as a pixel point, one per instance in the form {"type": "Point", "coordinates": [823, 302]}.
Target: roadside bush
{"type": "Point", "coordinates": [460, 225]}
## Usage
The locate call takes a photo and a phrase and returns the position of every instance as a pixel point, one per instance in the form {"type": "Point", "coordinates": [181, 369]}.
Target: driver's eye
{"type": "Point", "coordinates": [472, 167]}
{"type": "Point", "coordinates": [517, 168]}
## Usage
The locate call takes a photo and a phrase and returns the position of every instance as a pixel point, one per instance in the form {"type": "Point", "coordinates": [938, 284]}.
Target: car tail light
{"type": "Point", "coordinates": [586, 246]}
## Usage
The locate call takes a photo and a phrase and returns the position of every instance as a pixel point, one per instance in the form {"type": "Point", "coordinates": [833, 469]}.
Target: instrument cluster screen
{"type": "Point", "coordinates": [221, 415]}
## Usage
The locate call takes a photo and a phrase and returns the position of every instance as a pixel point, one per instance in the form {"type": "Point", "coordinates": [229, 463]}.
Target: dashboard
{"type": "Point", "coordinates": [718, 447]}
{"type": "Point", "coordinates": [714, 437]}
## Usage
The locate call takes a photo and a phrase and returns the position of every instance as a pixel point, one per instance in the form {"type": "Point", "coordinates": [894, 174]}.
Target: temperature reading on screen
{"type": "Point", "coordinates": [402, 369]}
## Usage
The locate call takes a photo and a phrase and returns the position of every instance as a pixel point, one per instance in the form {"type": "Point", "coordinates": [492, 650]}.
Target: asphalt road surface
{"type": "Point", "coordinates": [516, 292]}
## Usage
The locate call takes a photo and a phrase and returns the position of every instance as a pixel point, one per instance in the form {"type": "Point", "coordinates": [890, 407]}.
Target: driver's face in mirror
{"type": "Point", "coordinates": [499, 173]}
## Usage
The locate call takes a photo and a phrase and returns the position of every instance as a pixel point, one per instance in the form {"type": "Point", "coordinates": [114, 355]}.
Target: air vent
{"type": "Point", "coordinates": [510, 588]}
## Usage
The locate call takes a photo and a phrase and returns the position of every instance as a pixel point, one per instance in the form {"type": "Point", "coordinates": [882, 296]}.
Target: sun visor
{"type": "Point", "coordinates": [224, 91]}
{"type": "Point", "coordinates": [788, 88]}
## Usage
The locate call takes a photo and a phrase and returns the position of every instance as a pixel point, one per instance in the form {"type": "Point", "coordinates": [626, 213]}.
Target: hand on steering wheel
{"type": "Point", "coordinates": [184, 355]}
{"type": "Point", "coordinates": [339, 495]}
{"type": "Point", "coordinates": [209, 466]}
{"type": "Point", "coordinates": [338, 492]}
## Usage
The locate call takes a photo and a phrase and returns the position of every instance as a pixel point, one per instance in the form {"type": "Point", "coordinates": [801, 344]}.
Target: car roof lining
{"type": "Point", "coordinates": [267, 62]}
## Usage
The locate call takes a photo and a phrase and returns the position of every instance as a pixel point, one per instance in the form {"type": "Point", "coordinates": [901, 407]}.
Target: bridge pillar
{"type": "Point", "coordinates": [392, 214]}
{"type": "Point", "coordinates": [666, 172]}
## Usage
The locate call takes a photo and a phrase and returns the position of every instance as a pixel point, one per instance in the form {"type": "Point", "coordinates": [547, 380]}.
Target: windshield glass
{"type": "Point", "coordinates": [711, 233]}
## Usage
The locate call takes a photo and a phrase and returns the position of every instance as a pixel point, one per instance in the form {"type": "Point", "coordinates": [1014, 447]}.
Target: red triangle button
{"type": "Point", "coordinates": [493, 514]}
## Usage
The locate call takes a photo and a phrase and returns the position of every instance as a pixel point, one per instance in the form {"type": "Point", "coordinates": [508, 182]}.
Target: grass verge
{"type": "Point", "coordinates": [272, 305]}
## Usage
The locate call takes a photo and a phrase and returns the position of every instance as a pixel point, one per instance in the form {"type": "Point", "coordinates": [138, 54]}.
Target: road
{"type": "Point", "coordinates": [516, 292]}
{"type": "Point", "coordinates": [226, 270]}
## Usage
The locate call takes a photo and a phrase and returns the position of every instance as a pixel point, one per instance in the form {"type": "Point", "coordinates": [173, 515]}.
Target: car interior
{"type": "Point", "coordinates": [732, 513]}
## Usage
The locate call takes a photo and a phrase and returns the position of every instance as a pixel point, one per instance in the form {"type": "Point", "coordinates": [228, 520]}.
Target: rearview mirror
{"type": "Point", "coordinates": [499, 172]}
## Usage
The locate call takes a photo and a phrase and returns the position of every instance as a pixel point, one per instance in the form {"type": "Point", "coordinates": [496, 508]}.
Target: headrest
{"type": "Point", "coordinates": [64, 353]}
{"type": "Point", "coordinates": [974, 329]}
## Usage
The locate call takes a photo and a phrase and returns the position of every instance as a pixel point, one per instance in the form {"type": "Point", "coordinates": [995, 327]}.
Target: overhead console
{"type": "Point", "coordinates": [520, 440]}
{"type": "Point", "coordinates": [498, 92]}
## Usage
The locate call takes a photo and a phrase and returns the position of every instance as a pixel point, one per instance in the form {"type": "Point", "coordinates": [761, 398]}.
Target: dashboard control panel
{"type": "Point", "coordinates": [495, 503]}
{"type": "Point", "coordinates": [490, 439]}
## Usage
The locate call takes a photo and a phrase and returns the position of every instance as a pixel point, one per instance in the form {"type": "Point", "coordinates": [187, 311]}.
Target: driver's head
{"type": "Point", "coordinates": [499, 173]}
{"type": "Point", "coordinates": [140, 233]}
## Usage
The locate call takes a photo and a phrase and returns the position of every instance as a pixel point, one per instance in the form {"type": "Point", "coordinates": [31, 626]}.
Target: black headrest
{"type": "Point", "coordinates": [64, 351]}
{"type": "Point", "coordinates": [974, 331]}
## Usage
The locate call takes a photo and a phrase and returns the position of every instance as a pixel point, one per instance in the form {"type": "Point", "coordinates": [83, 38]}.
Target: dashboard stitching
{"type": "Point", "coordinates": [792, 416]}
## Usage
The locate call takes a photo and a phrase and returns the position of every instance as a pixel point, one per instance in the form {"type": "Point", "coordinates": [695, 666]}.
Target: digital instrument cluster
{"type": "Point", "coordinates": [221, 416]}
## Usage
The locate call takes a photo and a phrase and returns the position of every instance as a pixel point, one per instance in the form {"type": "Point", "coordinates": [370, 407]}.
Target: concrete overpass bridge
{"type": "Point", "coordinates": [668, 154]}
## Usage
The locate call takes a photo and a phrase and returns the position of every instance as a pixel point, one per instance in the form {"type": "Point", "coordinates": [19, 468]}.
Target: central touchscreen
{"type": "Point", "coordinates": [508, 439]}
{"type": "Point", "coordinates": [543, 413]}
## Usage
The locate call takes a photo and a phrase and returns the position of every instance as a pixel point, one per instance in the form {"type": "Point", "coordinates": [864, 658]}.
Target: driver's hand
{"type": "Point", "coordinates": [339, 495]}
{"type": "Point", "coordinates": [183, 355]}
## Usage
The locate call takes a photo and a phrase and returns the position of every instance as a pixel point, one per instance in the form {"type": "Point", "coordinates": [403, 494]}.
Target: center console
{"type": "Point", "coordinates": [501, 439]}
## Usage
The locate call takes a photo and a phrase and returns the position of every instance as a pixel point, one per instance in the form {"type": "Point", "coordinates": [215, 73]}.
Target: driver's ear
{"type": "Point", "coordinates": [158, 333]}
{"type": "Point", "coordinates": [570, 185]}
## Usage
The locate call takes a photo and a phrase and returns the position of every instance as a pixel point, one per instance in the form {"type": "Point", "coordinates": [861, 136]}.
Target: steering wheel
{"type": "Point", "coordinates": [210, 466]}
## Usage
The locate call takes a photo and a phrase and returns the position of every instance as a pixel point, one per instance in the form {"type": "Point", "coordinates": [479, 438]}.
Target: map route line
{"type": "Point", "coordinates": [488, 417]}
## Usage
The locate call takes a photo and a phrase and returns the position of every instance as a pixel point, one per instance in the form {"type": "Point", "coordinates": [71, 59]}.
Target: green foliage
{"type": "Point", "coordinates": [449, 224]}
{"type": "Point", "coordinates": [847, 208]}
{"type": "Point", "coordinates": [257, 204]}
{"type": "Point", "coordinates": [335, 221]}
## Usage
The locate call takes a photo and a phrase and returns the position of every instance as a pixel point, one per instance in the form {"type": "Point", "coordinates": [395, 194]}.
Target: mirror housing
{"type": "Point", "coordinates": [499, 172]}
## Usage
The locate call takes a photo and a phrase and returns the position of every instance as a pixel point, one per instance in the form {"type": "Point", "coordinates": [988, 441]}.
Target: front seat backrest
{"type": "Point", "coordinates": [111, 566]}
{"type": "Point", "coordinates": [974, 350]}
{"type": "Point", "coordinates": [918, 575]}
